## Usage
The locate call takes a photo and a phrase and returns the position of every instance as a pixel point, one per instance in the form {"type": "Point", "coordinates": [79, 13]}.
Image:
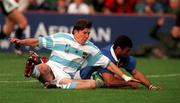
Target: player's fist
{"type": "Point", "coordinates": [14, 40]}
{"type": "Point", "coordinates": [152, 87]}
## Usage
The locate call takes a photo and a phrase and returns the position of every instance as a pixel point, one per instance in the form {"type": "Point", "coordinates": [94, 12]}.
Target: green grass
{"type": "Point", "coordinates": [15, 88]}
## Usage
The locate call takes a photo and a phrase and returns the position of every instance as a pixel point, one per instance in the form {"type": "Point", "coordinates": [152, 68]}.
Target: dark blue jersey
{"type": "Point", "coordinates": [128, 63]}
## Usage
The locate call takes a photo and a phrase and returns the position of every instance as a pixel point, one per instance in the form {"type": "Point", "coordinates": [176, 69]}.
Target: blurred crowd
{"type": "Point", "coordinates": [103, 6]}
{"type": "Point", "coordinates": [106, 7]}
{"type": "Point", "coordinates": [170, 42]}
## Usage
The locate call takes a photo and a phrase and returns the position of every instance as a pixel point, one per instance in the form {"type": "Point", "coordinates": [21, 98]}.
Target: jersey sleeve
{"type": "Point", "coordinates": [46, 42]}
{"type": "Point", "coordinates": [98, 60]}
{"type": "Point", "coordinates": [130, 64]}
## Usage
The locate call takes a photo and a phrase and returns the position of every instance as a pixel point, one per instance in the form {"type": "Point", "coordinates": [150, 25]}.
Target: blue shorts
{"type": "Point", "coordinates": [128, 63]}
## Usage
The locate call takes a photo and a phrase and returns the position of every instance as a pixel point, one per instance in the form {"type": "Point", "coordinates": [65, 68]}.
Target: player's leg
{"type": "Point", "coordinates": [67, 83]}
{"type": "Point", "coordinates": [45, 73]}
{"type": "Point", "coordinates": [7, 7]}
{"type": "Point", "coordinates": [18, 18]}
{"type": "Point", "coordinates": [89, 73]}
{"type": "Point", "coordinates": [36, 67]}
{"type": "Point", "coordinates": [63, 80]}
{"type": "Point", "coordinates": [7, 28]}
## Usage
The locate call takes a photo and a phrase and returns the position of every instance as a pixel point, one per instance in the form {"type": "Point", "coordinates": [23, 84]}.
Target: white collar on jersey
{"type": "Point", "coordinates": [113, 53]}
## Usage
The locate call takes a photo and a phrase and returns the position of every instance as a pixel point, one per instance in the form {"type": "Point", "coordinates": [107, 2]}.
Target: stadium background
{"type": "Point", "coordinates": [105, 28]}
{"type": "Point", "coordinates": [14, 88]}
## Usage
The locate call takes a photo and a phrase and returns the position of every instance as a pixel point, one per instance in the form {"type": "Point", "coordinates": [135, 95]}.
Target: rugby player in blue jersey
{"type": "Point", "coordinates": [119, 54]}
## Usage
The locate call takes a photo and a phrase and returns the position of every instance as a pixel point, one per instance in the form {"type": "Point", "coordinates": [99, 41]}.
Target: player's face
{"type": "Point", "coordinates": [126, 51]}
{"type": "Point", "coordinates": [122, 52]}
{"type": "Point", "coordinates": [81, 36]}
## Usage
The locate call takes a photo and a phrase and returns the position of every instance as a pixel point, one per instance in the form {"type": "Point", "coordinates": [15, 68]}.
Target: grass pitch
{"type": "Point", "coordinates": [15, 88]}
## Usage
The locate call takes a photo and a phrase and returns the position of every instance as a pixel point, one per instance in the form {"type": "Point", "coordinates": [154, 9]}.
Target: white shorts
{"type": "Point", "coordinates": [77, 76]}
{"type": "Point", "coordinates": [9, 5]}
{"type": "Point", "coordinates": [59, 74]}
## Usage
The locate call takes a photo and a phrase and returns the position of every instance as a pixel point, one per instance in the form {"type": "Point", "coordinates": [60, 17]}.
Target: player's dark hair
{"type": "Point", "coordinates": [123, 41]}
{"type": "Point", "coordinates": [82, 24]}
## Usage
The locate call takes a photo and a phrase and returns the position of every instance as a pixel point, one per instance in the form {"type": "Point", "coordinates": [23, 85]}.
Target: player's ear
{"type": "Point", "coordinates": [119, 48]}
{"type": "Point", "coordinates": [75, 31]}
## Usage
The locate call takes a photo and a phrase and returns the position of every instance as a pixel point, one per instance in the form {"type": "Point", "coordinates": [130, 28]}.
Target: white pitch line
{"type": "Point", "coordinates": [7, 75]}
{"type": "Point", "coordinates": [10, 81]}
{"type": "Point", "coordinates": [163, 75]}
{"type": "Point", "coordinates": [32, 81]}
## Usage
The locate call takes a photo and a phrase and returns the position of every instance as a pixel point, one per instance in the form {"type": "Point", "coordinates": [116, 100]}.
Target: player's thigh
{"type": "Point", "coordinates": [18, 18]}
{"type": "Point", "coordinates": [85, 84]}
{"type": "Point", "coordinates": [8, 26]}
{"type": "Point", "coordinates": [46, 74]}
{"type": "Point", "coordinates": [58, 73]}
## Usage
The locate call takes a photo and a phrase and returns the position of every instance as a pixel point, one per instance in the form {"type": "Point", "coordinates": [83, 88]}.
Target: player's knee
{"type": "Point", "coordinates": [23, 24]}
{"type": "Point", "coordinates": [92, 84]}
{"type": "Point", "coordinates": [44, 69]}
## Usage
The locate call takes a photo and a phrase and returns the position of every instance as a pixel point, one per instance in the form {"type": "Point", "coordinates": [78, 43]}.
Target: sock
{"type": "Point", "coordinates": [71, 85]}
{"type": "Point", "coordinates": [2, 35]}
{"type": "Point", "coordinates": [99, 83]}
{"type": "Point", "coordinates": [17, 46]}
{"type": "Point", "coordinates": [98, 79]}
{"type": "Point", "coordinates": [18, 34]}
{"type": "Point", "coordinates": [36, 72]}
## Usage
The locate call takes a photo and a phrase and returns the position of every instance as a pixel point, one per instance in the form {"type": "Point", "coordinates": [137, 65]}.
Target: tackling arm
{"type": "Point", "coordinates": [113, 68]}
{"type": "Point", "coordinates": [27, 42]}
{"type": "Point", "coordinates": [140, 76]}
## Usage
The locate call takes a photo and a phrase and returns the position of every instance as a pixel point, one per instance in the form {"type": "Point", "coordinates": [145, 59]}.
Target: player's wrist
{"type": "Point", "coordinates": [153, 87]}
{"type": "Point", "coordinates": [150, 86]}
{"type": "Point", "coordinates": [126, 78]}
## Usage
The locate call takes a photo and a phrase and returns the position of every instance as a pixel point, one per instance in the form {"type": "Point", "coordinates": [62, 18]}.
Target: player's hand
{"type": "Point", "coordinates": [14, 40]}
{"type": "Point", "coordinates": [153, 87]}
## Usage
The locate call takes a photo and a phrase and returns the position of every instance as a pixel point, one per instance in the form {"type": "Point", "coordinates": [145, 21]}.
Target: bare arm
{"type": "Point", "coordinates": [27, 42]}
{"type": "Point", "coordinates": [113, 68]}
{"type": "Point", "coordinates": [140, 76]}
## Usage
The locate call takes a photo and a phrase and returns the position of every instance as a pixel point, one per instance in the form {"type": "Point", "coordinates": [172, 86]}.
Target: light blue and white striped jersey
{"type": "Point", "coordinates": [71, 56]}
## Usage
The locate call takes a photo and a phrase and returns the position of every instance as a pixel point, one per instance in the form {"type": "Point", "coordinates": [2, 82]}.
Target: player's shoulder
{"type": "Point", "coordinates": [131, 59]}
{"type": "Point", "coordinates": [91, 44]}
{"type": "Point", "coordinates": [63, 35]}
{"type": "Point", "coordinates": [106, 49]}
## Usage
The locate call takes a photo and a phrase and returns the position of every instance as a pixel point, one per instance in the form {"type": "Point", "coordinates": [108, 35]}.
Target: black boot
{"type": "Point", "coordinates": [2, 35]}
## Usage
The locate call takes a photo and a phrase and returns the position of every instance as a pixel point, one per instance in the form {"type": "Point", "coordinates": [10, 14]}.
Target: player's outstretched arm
{"type": "Point", "coordinates": [112, 67]}
{"type": "Point", "coordinates": [27, 42]}
{"type": "Point", "coordinates": [141, 77]}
